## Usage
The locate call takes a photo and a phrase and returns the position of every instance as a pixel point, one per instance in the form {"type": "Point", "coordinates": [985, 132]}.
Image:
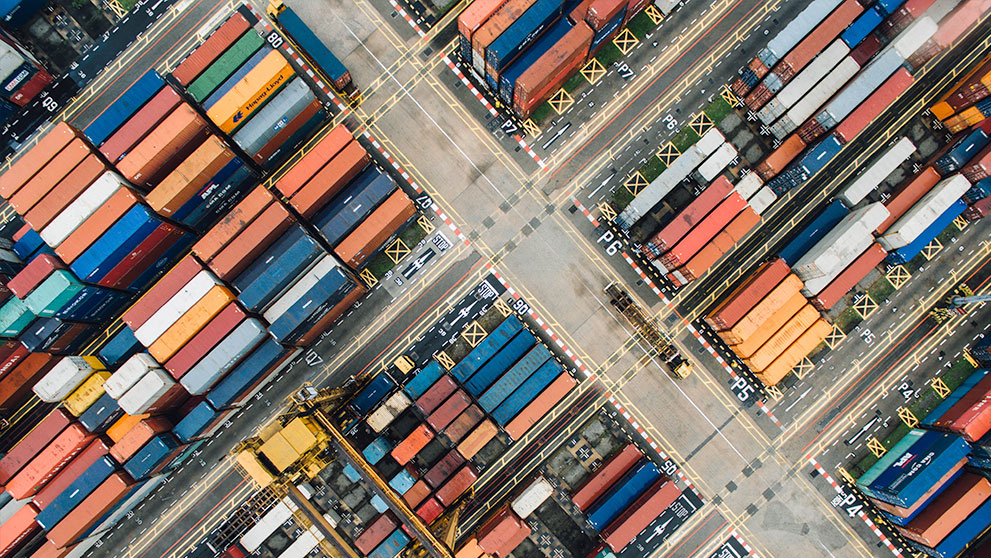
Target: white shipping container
{"type": "Point", "coordinates": [748, 185]}
{"type": "Point", "coordinates": [800, 26]}
{"type": "Point", "coordinates": [924, 212]}
{"type": "Point", "coordinates": [5, 48]}
{"type": "Point", "coordinates": [660, 266]}
{"type": "Point", "coordinates": [532, 497]}
{"type": "Point", "coordinates": [762, 200]}
{"type": "Point", "coordinates": [811, 74]}
{"type": "Point", "coordinates": [253, 539]}
{"type": "Point", "coordinates": [914, 36]}
{"type": "Point", "coordinates": [129, 374]}
{"type": "Point", "coordinates": [660, 187]}
{"type": "Point", "coordinates": [143, 395]}
{"type": "Point", "coordinates": [878, 171]}
{"type": "Point", "coordinates": [10, 508]}
{"type": "Point", "coordinates": [62, 379]}
{"type": "Point", "coordinates": [9, 63]}
{"type": "Point", "coordinates": [825, 89]}
{"type": "Point", "coordinates": [224, 356]}
{"type": "Point", "coordinates": [710, 142]}
{"type": "Point", "coordinates": [841, 245]}
{"type": "Point", "coordinates": [783, 127]}
{"type": "Point", "coordinates": [292, 295]}
{"type": "Point", "coordinates": [872, 76]}
{"type": "Point", "coordinates": [666, 6]}
{"type": "Point", "coordinates": [398, 402]}
{"type": "Point", "coordinates": [81, 208]}
{"type": "Point", "coordinates": [814, 286]}
{"type": "Point", "coordinates": [302, 546]}
{"type": "Point", "coordinates": [380, 419]}
{"type": "Point", "coordinates": [179, 304]}
{"type": "Point", "coordinates": [716, 162]}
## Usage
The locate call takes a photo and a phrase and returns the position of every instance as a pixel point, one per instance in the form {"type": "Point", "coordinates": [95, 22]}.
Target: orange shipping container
{"type": "Point", "coordinates": [124, 425]}
{"type": "Point", "coordinates": [251, 242]}
{"type": "Point", "coordinates": [476, 440]}
{"type": "Point", "coordinates": [763, 311]}
{"type": "Point", "coordinates": [330, 180]}
{"type": "Point", "coordinates": [781, 316]}
{"type": "Point", "coordinates": [747, 295]}
{"type": "Point", "coordinates": [742, 224]}
{"type": "Point", "coordinates": [416, 441]}
{"type": "Point", "coordinates": [65, 192]}
{"type": "Point", "coordinates": [195, 319]}
{"type": "Point", "coordinates": [96, 224]}
{"type": "Point", "coordinates": [234, 222]}
{"type": "Point", "coordinates": [190, 176]}
{"type": "Point", "coordinates": [15, 386]}
{"type": "Point", "coordinates": [552, 69]}
{"type": "Point", "coordinates": [795, 353]}
{"type": "Point", "coordinates": [18, 529]}
{"type": "Point", "coordinates": [35, 158]}
{"type": "Point", "coordinates": [540, 406]}
{"type": "Point", "coordinates": [704, 259]}
{"type": "Point", "coordinates": [91, 509]}
{"type": "Point", "coordinates": [948, 510]}
{"type": "Point", "coordinates": [375, 229]}
{"type": "Point", "coordinates": [780, 157]}
{"type": "Point", "coordinates": [907, 194]}
{"type": "Point", "coordinates": [138, 436]}
{"type": "Point", "coordinates": [263, 81]}
{"type": "Point", "coordinates": [51, 174]}
{"type": "Point", "coordinates": [49, 462]}
{"type": "Point", "coordinates": [176, 137]}
{"type": "Point", "coordinates": [314, 159]}
{"type": "Point", "coordinates": [783, 338]}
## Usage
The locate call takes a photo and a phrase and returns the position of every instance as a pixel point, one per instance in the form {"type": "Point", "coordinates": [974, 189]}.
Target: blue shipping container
{"type": "Point", "coordinates": [908, 479]}
{"type": "Point", "coordinates": [195, 422]}
{"type": "Point", "coordinates": [376, 450]}
{"type": "Point", "coordinates": [507, 80]}
{"type": "Point", "coordinates": [153, 454]}
{"type": "Point", "coordinates": [115, 244]}
{"type": "Point", "coordinates": [312, 306]}
{"type": "Point", "coordinates": [316, 50]}
{"type": "Point", "coordinates": [862, 26]}
{"type": "Point", "coordinates": [178, 249]}
{"type": "Point", "coordinates": [391, 546]}
{"type": "Point", "coordinates": [76, 492]}
{"type": "Point", "coordinates": [906, 253]}
{"type": "Point", "coordinates": [349, 208]}
{"type": "Point", "coordinates": [526, 393]}
{"type": "Point", "coordinates": [953, 398]}
{"type": "Point", "coordinates": [903, 521]}
{"type": "Point", "coordinates": [372, 394]}
{"type": "Point", "coordinates": [218, 202]}
{"type": "Point", "coordinates": [402, 482]}
{"type": "Point", "coordinates": [634, 483]}
{"type": "Point", "coordinates": [869, 476]}
{"type": "Point", "coordinates": [962, 152]}
{"type": "Point", "coordinates": [488, 347]}
{"type": "Point", "coordinates": [972, 527]}
{"type": "Point", "coordinates": [889, 6]}
{"type": "Point", "coordinates": [277, 268]}
{"type": "Point", "coordinates": [817, 229]}
{"type": "Point", "coordinates": [223, 357]}
{"type": "Point", "coordinates": [819, 156]}
{"type": "Point", "coordinates": [514, 378]}
{"type": "Point", "coordinates": [101, 414]}
{"type": "Point", "coordinates": [124, 107]}
{"type": "Point", "coordinates": [422, 380]}
{"type": "Point", "coordinates": [247, 373]}
{"type": "Point", "coordinates": [506, 357]}
{"type": "Point", "coordinates": [30, 245]}
{"type": "Point", "coordinates": [522, 33]}
{"type": "Point", "coordinates": [204, 193]}
{"type": "Point", "coordinates": [289, 146]}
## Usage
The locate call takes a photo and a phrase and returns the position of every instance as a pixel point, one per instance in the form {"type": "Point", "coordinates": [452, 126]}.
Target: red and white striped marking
{"type": "Point", "coordinates": [408, 19]}
{"type": "Point", "coordinates": [586, 212]}
{"type": "Point", "coordinates": [743, 543]}
{"type": "Point", "coordinates": [492, 110]}
{"type": "Point", "coordinates": [647, 280]}
{"type": "Point", "coordinates": [867, 520]}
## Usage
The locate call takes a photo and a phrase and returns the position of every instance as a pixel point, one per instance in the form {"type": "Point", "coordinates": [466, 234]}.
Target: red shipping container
{"type": "Point", "coordinates": [640, 514]}
{"type": "Point", "coordinates": [601, 12]}
{"type": "Point", "coordinates": [330, 180]}
{"type": "Point", "coordinates": [273, 149]}
{"type": "Point", "coordinates": [608, 473]}
{"type": "Point", "coordinates": [15, 387]}
{"type": "Point", "coordinates": [35, 159]}
{"type": "Point", "coordinates": [49, 462]}
{"type": "Point", "coordinates": [313, 160]}
{"type": "Point", "coordinates": [971, 416]}
{"type": "Point", "coordinates": [820, 38]}
{"type": "Point", "coordinates": [756, 98]}
{"type": "Point", "coordinates": [552, 69]}
{"type": "Point", "coordinates": [19, 529]}
{"type": "Point", "coordinates": [430, 510]}
{"type": "Point", "coordinates": [31, 89]}
{"type": "Point", "coordinates": [94, 451]}
{"type": "Point", "coordinates": [907, 194]}
{"type": "Point", "coordinates": [951, 28]}
{"type": "Point", "coordinates": [153, 247]}
{"type": "Point", "coordinates": [438, 392]}
{"type": "Point", "coordinates": [91, 509]}
{"type": "Point", "coordinates": [705, 231]}
{"type": "Point", "coordinates": [849, 277]}
{"type": "Point", "coordinates": [33, 274]}
{"type": "Point", "coordinates": [540, 406]}
{"type": "Point", "coordinates": [376, 532]}
{"type": "Point", "coordinates": [32, 443]}
{"type": "Point", "coordinates": [948, 510]}
{"type": "Point", "coordinates": [328, 320]}
{"type": "Point", "coordinates": [866, 50]}
{"type": "Point", "coordinates": [46, 178]}
{"type": "Point", "coordinates": [65, 192]}
{"type": "Point", "coordinates": [178, 135]}
{"type": "Point", "coordinates": [747, 295]}
{"type": "Point", "coordinates": [251, 242]}
{"type": "Point", "coordinates": [443, 469]}
{"type": "Point", "coordinates": [204, 55]}
{"type": "Point", "coordinates": [579, 13]}
{"type": "Point", "coordinates": [879, 100]}
{"type": "Point", "coordinates": [49, 550]}
{"type": "Point", "coordinates": [119, 203]}
{"type": "Point", "coordinates": [464, 423]}
{"type": "Point", "coordinates": [687, 218]}
{"type": "Point", "coordinates": [414, 496]}
{"type": "Point", "coordinates": [409, 447]}
{"type": "Point", "coordinates": [476, 14]}
{"type": "Point", "coordinates": [138, 436]}
{"type": "Point", "coordinates": [500, 534]}
{"type": "Point", "coordinates": [457, 485]}
{"type": "Point", "coordinates": [376, 229]}
{"type": "Point", "coordinates": [13, 354]}
{"type": "Point", "coordinates": [161, 292]}
{"type": "Point", "coordinates": [139, 125]}
{"type": "Point", "coordinates": [978, 167]}
{"type": "Point", "coordinates": [440, 418]}
{"type": "Point", "coordinates": [197, 347]}
{"type": "Point", "coordinates": [243, 214]}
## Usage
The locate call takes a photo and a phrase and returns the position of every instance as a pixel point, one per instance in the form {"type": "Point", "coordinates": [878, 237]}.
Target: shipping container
{"type": "Point", "coordinates": [64, 377]}
{"type": "Point", "coordinates": [251, 375]}
{"type": "Point", "coordinates": [373, 232]}
{"type": "Point", "coordinates": [818, 39]}
{"type": "Point", "coordinates": [749, 345]}
{"type": "Point", "coordinates": [907, 194]}
{"type": "Point", "coordinates": [65, 192]}
{"type": "Point", "coordinates": [622, 494]}
{"type": "Point", "coordinates": [924, 212]}
{"type": "Point", "coordinates": [44, 466]}
{"type": "Point", "coordinates": [412, 444]}
{"type": "Point", "coordinates": [436, 395]}
{"type": "Point", "coordinates": [192, 174]}
{"type": "Point", "coordinates": [251, 242]}
{"type": "Point", "coordinates": [191, 322]}
{"type": "Point", "coordinates": [781, 157]}
{"type": "Point", "coordinates": [524, 394]}
{"type": "Point", "coordinates": [500, 362]}
{"type": "Point", "coordinates": [540, 406]}
{"type": "Point", "coordinates": [465, 422]}
{"type": "Point", "coordinates": [376, 532]}
{"type": "Point", "coordinates": [49, 175]}
{"type": "Point", "coordinates": [284, 108]}
{"type": "Point", "coordinates": [91, 509]}
{"type": "Point", "coordinates": [223, 357]}
{"type": "Point", "coordinates": [18, 530]}
{"type": "Point", "coordinates": [142, 122]}
{"type": "Point", "coordinates": [903, 483]}
{"type": "Point", "coordinates": [32, 443]}
{"type": "Point", "coordinates": [551, 70]}
{"type": "Point", "coordinates": [798, 350]}
{"type": "Point", "coordinates": [796, 30]}
{"type": "Point", "coordinates": [250, 94]}
{"type": "Point", "coordinates": [841, 245]}
{"type": "Point", "coordinates": [867, 181]}
{"type": "Point", "coordinates": [686, 219]}
{"type": "Point", "coordinates": [760, 312]}
{"type": "Point", "coordinates": [154, 392]}
{"type": "Point", "coordinates": [124, 107]}
{"type": "Point", "coordinates": [232, 224]}
{"type": "Point", "coordinates": [340, 170]}
{"type": "Point", "coordinates": [35, 159]}
{"type": "Point", "coordinates": [218, 328]}
{"type": "Point", "coordinates": [906, 253]}
{"type": "Point", "coordinates": [532, 497]}
{"type": "Point", "coordinates": [782, 339]}
{"type": "Point", "coordinates": [217, 43]}
{"type": "Point", "coordinates": [55, 487]}
{"type": "Point", "coordinates": [495, 26]}
{"type": "Point", "coordinates": [848, 279]}
{"type": "Point", "coordinates": [487, 348]}
{"type": "Point", "coordinates": [443, 469]}
{"type": "Point", "coordinates": [101, 414]}
{"type": "Point", "coordinates": [159, 152]}
{"type": "Point", "coordinates": [514, 377]}
{"type": "Point", "coordinates": [969, 417]}
{"type": "Point", "coordinates": [502, 533]}
{"type": "Point", "coordinates": [597, 484]}
{"type": "Point", "coordinates": [448, 410]}
{"type": "Point", "coordinates": [460, 481]}
{"type": "Point", "coordinates": [315, 50]}
{"type": "Point", "coordinates": [814, 232]}
{"type": "Point", "coordinates": [705, 231]}
{"type": "Point", "coordinates": [948, 510]}
{"type": "Point", "coordinates": [153, 457]}
{"type": "Point", "coordinates": [76, 492]}
{"type": "Point", "coordinates": [86, 395]}
{"type": "Point", "coordinates": [640, 514]}
{"type": "Point", "coordinates": [15, 387]}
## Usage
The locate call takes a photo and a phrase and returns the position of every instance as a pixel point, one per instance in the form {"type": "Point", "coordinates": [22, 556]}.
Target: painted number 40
{"type": "Point", "coordinates": [613, 246]}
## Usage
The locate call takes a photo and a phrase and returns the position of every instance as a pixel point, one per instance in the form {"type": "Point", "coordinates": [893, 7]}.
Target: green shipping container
{"type": "Point", "coordinates": [54, 293]}
{"type": "Point", "coordinates": [225, 65]}
{"type": "Point", "coordinates": [14, 317]}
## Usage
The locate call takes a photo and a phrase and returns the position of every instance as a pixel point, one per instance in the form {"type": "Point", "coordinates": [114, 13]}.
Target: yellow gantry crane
{"type": "Point", "coordinates": [647, 329]}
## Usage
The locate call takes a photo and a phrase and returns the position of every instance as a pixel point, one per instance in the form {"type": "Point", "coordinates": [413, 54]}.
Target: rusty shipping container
{"type": "Point", "coordinates": [215, 45]}
{"type": "Point", "coordinates": [747, 295]}
{"type": "Point", "coordinates": [140, 124]}
{"type": "Point", "coordinates": [36, 158]}
{"type": "Point", "coordinates": [251, 242]}
{"type": "Point", "coordinates": [49, 462]}
{"type": "Point", "coordinates": [65, 192]}
{"type": "Point", "coordinates": [310, 164]}
{"type": "Point", "coordinates": [243, 214]}
{"type": "Point", "coordinates": [795, 353]}
{"type": "Point", "coordinates": [376, 229]}
{"type": "Point", "coordinates": [192, 174]}
{"type": "Point", "coordinates": [182, 131]}
{"type": "Point", "coordinates": [778, 160]}
{"type": "Point", "coordinates": [28, 447]}
{"type": "Point", "coordinates": [907, 194]}
{"type": "Point", "coordinates": [540, 406]}
{"type": "Point", "coordinates": [330, 179]}
{"type": "Point", "coordinates": [552, 69]}
{"type": "Point", "coordinates": [601, 480]}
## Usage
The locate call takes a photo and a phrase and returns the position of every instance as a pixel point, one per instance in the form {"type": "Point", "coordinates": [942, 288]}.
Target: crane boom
{"type": "Point", "coordinates": [959, 301]}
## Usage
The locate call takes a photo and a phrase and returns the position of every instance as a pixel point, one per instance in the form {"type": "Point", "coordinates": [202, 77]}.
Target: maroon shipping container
{"type": "Point", "coordinates": [243, 214]}
{"type": "Point", "coordinates": [971, 89]}
{"type": "Point", "coordinates": [866, 50]}
{"type": "Point", "coordinates": [68, 337]}
{"type": "Point", "coordinates": [417, 494]}
{"type": "Point", "coordinates": [705, 231]}
{"type": "Point", "coordinates": [94, 451]}
{"type": "Point", "coordinates": [440, 472]}
{"type": "Point", "coordinates": [32, 443]}
{"type": "Point", "coordinates": [138, 126]}
{"type": "Point", "coordinates": [820, 38]}
{"type": "Point", "coordinates": [849, 277]}
{"type": "Point", "coordinates": [92, 508]}
{"type": "Point", "coordinates": [579, 13]}
{"type": "Point", "coordinates": [436, 395]}
{"type": "Point", "coordinates": [204, 55]}
{"type": "Point", "coordinates": [30, 89]}
{"type": "Point", "coordinates": [201, 343]}
{"type": "Point", "coordinates": [49, 461]}
{"type": "Point", "coordinates": [978, 167]}
{"type": "Point", "coordinates": [430, 510]}
{"type": "Point", "coordinates": [457, 485]}
{"type": "Point", "coordinates": [464, 423]}
{"type": "Point", "coordinates": [948, 510]}
{"type": "Point", "coordinates": [37, 157]}
{"type": "Point", "coordinates": [273, 150]}
{"type": "Point", "coordinates": [907, 194]}
{"type": "Point", "coordinates": [645, 509]}
{"type": "Point", "coordinates": [978, 210]}
{"type": "Point", "coordinates": [50, 175]}
{"type": "Point", "coordinates": [551, 70]}
{"type": "Point", "coordinates": [611, 470]}
{"type": "Point", "coordinates": [687, 218]}
{"type": "Point", "coordinates": [760, 95]}
{"type": "Point", "coordinates": [11, 354]}
{"type": "Point", "coordinates": [147, 253]}
{"type": "Point", "coordinates": [879, 100]}
{"type": "Point", "coordinates": [457, 402]}
{"type": "Point", "coordinates": [161, 292]}
{"type": "Point", "coordinates": [15, 387]}
{"type": "Point", "coordinates": [33, 274]}
{"type": "Point", "coordinates": [65, 192]}
{"type": "Point", "coordinates": [601, 12]}
{"type": "Point", "coordinates": [971, 416]}
{"type": "Point", "coordinates": [951, 28]}
{"type": "Point", "coordinates": [376, 532]}
{"type": "Point", "coordinates": [251, 242]}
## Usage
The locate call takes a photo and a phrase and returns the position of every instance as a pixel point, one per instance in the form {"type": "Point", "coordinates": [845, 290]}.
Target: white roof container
{"type": "Point", "coordinates": [380, 419]}
{"type": "Point", "coordinates": [532, 497]}
{"type": "Point", "coordinates": [914, 36]}
{"type": "Point", "coordinates": [748, 185]}
{"type": "Point", "coordinates": [847, 240]}
{"type": "Point", "coordinates": [762, 200]}
{"type": "Point", "coordinates": [811, 74]}
{"type": "Point", "coordinates": [302, 286]}
{"type": "Point", "coordinates": [872, 76]}
{"type": "Point", "coordinates": [800, 26]}
{"type": "Point", "coordinates": [656, 190]}
{"type": "Point", "coordinates": [924, 212]}
{"type": "Point", "coordinates": [398, 402]}
{"type": "Point", "coordinates": [264, 527]}
{"type": "Point", "coordinates": [146, 392]}
{"type": "Point", "coordinates": [81, 208]}
{"type": "Point", "coordinates": [64, 377]}
{"type": "Point", "coordinates": [710, 141]}
{"type": "Point", "coordinates": [179, 304]}
{"type": "Point", "coordinates": [883, 166]}
{"type": "Point", "coordinates": [129, 373]}
{"type": "Point", "coordinates": [224, 356]}
{"type": "Point", "coordinates": [716, 162]}
{"type": "Point", "coordinates": [825, 89]}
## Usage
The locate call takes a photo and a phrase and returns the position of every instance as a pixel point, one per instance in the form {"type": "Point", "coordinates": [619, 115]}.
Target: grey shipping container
{"type": "Point", "coordinates": [798, 28]}
{"type": "Point", "coordinates": [274, 116]}
{"type": "Point", "coordinates": [223, 357]}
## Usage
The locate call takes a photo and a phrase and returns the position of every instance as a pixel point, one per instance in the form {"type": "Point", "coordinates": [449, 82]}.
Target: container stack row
{"type": "Point", "coordinates": [932, 485]}
{"type": "Point", "coordinates": [523, 51]}
{"type": "Point", "coordinates": [966, 104]}
{"type": "Point", "coordinates": [269, 524]}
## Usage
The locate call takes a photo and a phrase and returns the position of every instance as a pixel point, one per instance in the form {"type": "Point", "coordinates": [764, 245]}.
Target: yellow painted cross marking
{"type": "Point", "coordinates": [368, 278]}
{"type": "Point", "coordinates": [654, 14]}
{"type": "Point", "coordinates": [700, 123]}
{"type": "Point", "coordinates": [939, 386]}
{"type": "Point", "coordinates": [636, 183]}
{"type": "Point", "coordinates": [503, 308]}
{"type": "Point", "coordinates": [908, 417]}
{"type": "Point", "coordinates": [843, 474]}
{"type": "Point", "coordinates": [425, 224]}
{"type": "Point", "coordinates": [668, 153]}
{"type": "Point", "coordinates": [932, 249]}
{"type": "Point", "coordinates": [865, 306]}
{"type": "Point", "coordinates": [397, 250]}
{"type": "Point", "coordinates": [970, 358]}
{"type": "Point", "coordinates": [531, 128]}
{"type": "Point", "coordinates": [898, 276]}
{"type": "Point", "coordinates": [474, 333]}
{"type": "Point", "coordinates": [960, 223]}
{"type": "Point", "coordinates": [835, 338]}
{"type": "Point", "coordinates": [803, 368]}
{"type": "Point", "coordinates": [773, 392]}
{"type": "Point", "coordinates": [607, 211]}
{"type": "Point", "coordinates": [593, 71]}
{"type": "Point", "coordinates": [876, 447]}
{"type": "Point", "coordinates": [444, 360]}
{"type": "Point", "coordinates": [625, 41]}
{"type": "Point", "coordinates": [727, 94]}
{"type": "Point", "coordinates": [561, 101]}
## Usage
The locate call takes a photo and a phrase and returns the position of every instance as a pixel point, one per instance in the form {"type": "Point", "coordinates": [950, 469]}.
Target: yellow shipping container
{"type": "Point", "coordinates": [124, 425]}
{"type": "Point", "coordinates": [94, 362]}
{"type": "Point", "coordinates": [942, 110]}
{"type": "Point", "coordinates": [263, 81]}
{"type": "Point", "coordinates": [474, 442]}
{"type": "Point", "coordinates": [300, 433]}
{"type": "Point", "coordinates": [195, 319]}
{"type": "Point", "coordinates": [781, 316]}
{"type": "Point", "coordinates": [763, 311]}
{"type": "Point", "coordinates": [798, 350]}
{"type": "Point", "coordinates": [782, 339]}
{"type": "Point", "coordinates": [86, 394]}
{"type": "Point", "coordinates": [280, 452]}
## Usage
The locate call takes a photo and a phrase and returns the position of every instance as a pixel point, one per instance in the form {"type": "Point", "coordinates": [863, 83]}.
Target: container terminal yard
{"type": "Point", "coordinates": [599, 278]}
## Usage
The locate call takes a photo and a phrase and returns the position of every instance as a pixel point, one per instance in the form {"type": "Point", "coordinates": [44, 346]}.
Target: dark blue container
{"type": "Point", "coordinates": [507, 80]}
{"type": "Point", "coordinates": [889, 6]}
{"type": "Point", "coordinates": [962, 152]}
{"type": "Point", "coordinates": [115, 244]}
{"type": "Point", "coordinates": [819, 156]}
{"type": "Point", "coordinates": [635, 482]}
{"type": "Point", "coordinates": [498, 364]}
{"type": "Point", "coordinates": [289, 146]}
{"type": "Point", "coordinates": [522, 33]}
{"type": "Point", "coordinates": [30, 245]}
{"type": "Point", "coordinates": [122, 346]}
{"type": "Point", "coordinates": [17, 78]}
{"type": "Point", "coordinates": [221, 200]}
{"type": "Point", "coordinates": [906, 253]}
{"type": "Point", "coordinates": [277, 268]}
{"type": "Point", "coordinates": [251, 369]}
{"type": "Point", "coordinates": [330, 290]}
{"type": "Point", "coordinates": [101, 414]}
{"type": "Point", "coordinates": [153, 456]}
{"type": "Point", "coordinates": [863, 26]}
{"type": "Point", "coordinates": [212, 185]}
{"type": "Point", "coordinates": [609, 30]}
{"type": "Point", "coordinates": [423, 379]}
{"type": "Point", "coordinates": [349, 208]}
{"type": "Point", "coordinates": [195, 422]}
{"type": "Point", "coordinates": [316, 50]}
{"type": "Point", "coordinates": [171, 256]}
{"type": "Point", "coordinates": [514, 378]}
{"type": "Point", "coordinates": [94, 305]}
{"type": "Point", "coordinates": [817, 229]}
{"type": "Point", "coordinates": [124, 107]}
{"type": "Point", "coordinates": [903, 521]}
{"type": "Point", "coordinates": [526, 393]}
{"type": "Point", "coordinates": [488, 347]}
{"type": "Point", "coordinates": [905, 482]}
{"type": "Point", "coordinates": [372, 394]}
{"type": "Point", "coordinates": [83, 486]}
{"type": "Point", "coordinates": [978, 191]}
